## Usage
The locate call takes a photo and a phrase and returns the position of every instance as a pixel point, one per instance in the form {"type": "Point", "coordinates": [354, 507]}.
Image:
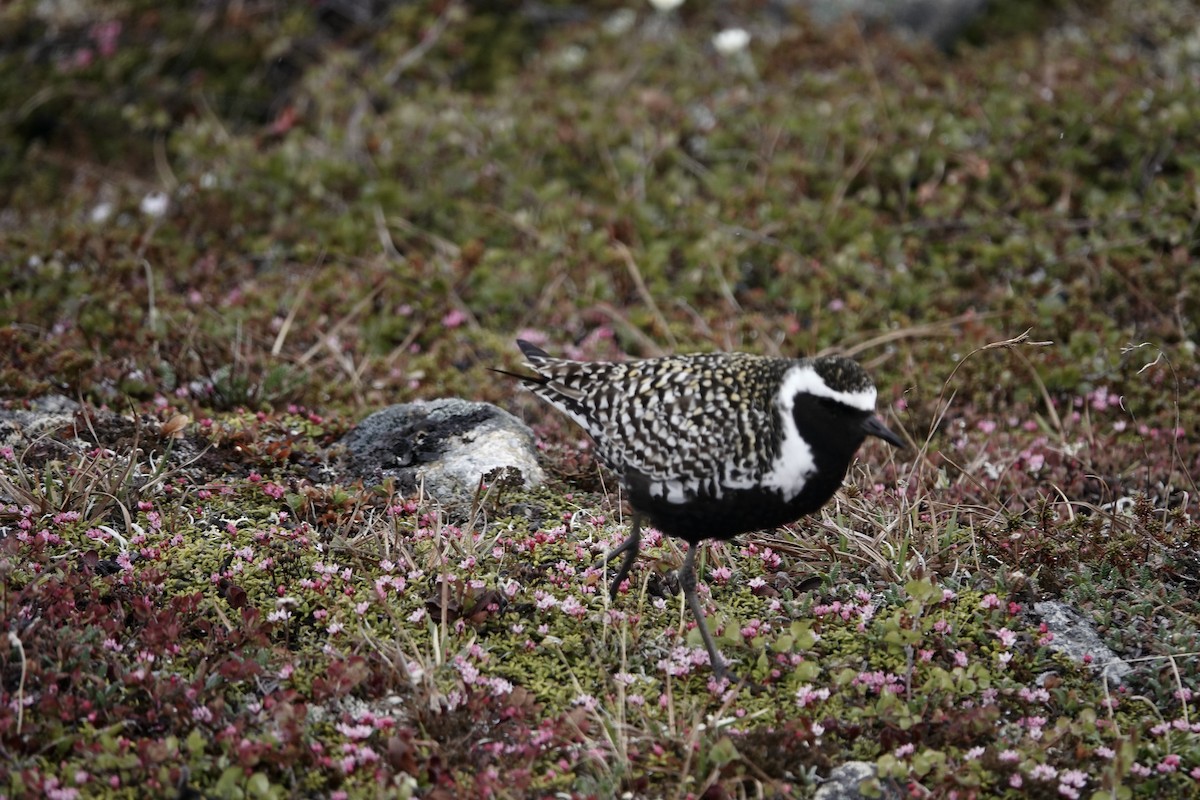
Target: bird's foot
{"type": "Point", "coordinates": [628, 548]}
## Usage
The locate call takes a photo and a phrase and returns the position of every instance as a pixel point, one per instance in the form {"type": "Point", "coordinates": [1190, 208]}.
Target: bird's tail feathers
{"type": "Point", "coordinates": [529, 380]}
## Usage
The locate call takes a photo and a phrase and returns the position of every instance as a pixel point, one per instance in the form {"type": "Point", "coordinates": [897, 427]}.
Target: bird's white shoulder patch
{"type": "Point", "coordinates": [795, 463]}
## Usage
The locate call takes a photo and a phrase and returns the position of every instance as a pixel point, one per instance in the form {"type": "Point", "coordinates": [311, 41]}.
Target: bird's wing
{"type": "Point", "coordinates": [686, 424]}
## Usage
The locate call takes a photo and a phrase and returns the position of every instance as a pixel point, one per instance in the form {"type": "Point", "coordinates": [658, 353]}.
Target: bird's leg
{"type": "Point", "coordinates": [687, 581]}
{"type": "Point", "coordinates": [630, 548]}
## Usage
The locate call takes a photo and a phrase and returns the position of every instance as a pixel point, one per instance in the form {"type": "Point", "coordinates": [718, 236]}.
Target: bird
{"type": "Point", "coordinates": [713, 445]}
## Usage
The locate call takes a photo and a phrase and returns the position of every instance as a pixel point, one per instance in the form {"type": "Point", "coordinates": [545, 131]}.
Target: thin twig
{"type": "Point", "coordinates": [286, 327]}
{"type": "Point", "coordinates": [647, 298]}
{"type": "Point", "coordinates": [15, 641]}
{"type": "Point", "coordinates": [649, 347]}
{"type": "Point", "coordinates": [1016, 341]}
{"type": "Point", "coordinates": [337, 326]}
{"type": "Point", "coordinates": [409, 58]}
{"type": "Point", "coordinates": [943, 328]}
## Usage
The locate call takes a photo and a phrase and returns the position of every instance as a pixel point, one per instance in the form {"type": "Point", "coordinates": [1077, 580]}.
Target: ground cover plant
{"type": "Point", "coordinates": [232, 231]}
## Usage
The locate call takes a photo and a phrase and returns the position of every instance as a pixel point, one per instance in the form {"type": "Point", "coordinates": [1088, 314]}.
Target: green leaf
{"type": "Point", "coordinates": [802, 635]}
{"type": "Point", "coordinates": [888, 766]}
{"type": "Point", "coordinates": [807, 671]}
{"type": "Point", "coordinates": [259, 785]}
{"type": "Point", "coordinates": [195, 742]}
{"type": "Point", "coordinates": [229, 784]}
{"type": "Point", "coordinates": [922, 590]}
{"type": "Point", "coordinates": [722, 753]}
{"type": "Point", "coordinates": [926, 760]}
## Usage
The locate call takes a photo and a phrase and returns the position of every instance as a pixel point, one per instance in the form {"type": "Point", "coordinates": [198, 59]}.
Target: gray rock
{"type": "Point", "coordinates": [1074, 636]}
{"type": "Point", "coordinates": [445, 446]}
{"type": "Point", "coordinates": [940, 21]}
{"type": "Point", "coordinates": [45, 414]}
{"type": "Point", "coordinates": [843, 781]}
{"type": "Point", "coordinates": [38, 427]}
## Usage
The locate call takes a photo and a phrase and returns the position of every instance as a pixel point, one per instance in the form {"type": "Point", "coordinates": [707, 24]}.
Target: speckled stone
{"type": "Point", "coordinates": [443, 446]}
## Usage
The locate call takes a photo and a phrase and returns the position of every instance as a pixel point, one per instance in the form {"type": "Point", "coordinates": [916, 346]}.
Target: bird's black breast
{"type": "Point", "coordinates": [735, 511]}
{"type": "Point", "coordinates": [833, 435]}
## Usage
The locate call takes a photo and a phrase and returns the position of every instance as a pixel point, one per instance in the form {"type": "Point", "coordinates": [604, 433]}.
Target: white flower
{"type": "Point", "coordinates": [620, 22]}
{"type": "Point", "coordinates": [154, 204]}
{"type": "Point", "coordinates": [666, 5]}
{"type": "Point", "coordinates": [731, 40]}
{"type": "Point", "coordinates": [102, 212]}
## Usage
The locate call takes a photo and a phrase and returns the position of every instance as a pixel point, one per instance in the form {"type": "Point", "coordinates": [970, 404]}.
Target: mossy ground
{"type": "Point", "coordinates": [354, 214]}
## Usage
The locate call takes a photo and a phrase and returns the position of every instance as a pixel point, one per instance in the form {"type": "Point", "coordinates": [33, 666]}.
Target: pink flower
{"type": "Point", "coordinates": [572, 607]}
{"type": "Point", "coordinates": [454, 318]}
{"type": "Point", "coordinates": [1074, 777]}
{"type": "Point", "coordinates": [1043, 772]}
{"type": "Point", "coordinates": [806, 695]}
{"type": "Point", "coordinates": [105, 34]}
{"type": "Point", "coordinates": [585, 701]}
{"type": "Point", "coordinates": [56, 792]}
{"type": "Point", "coordinates": [1169, 764]}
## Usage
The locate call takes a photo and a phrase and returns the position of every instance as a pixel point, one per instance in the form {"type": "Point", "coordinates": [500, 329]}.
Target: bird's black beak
{"type": "Point", "coordinates": [874, 426]}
